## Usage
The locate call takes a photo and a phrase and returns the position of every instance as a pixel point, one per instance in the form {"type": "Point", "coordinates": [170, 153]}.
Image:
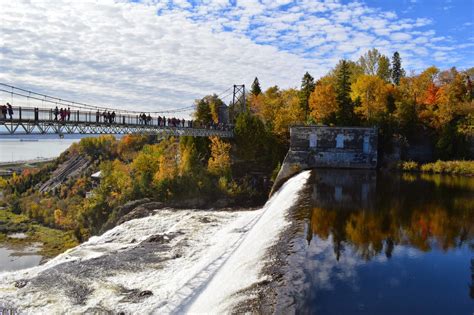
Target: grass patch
{"type": "Point", "coordinates": [53, 241]}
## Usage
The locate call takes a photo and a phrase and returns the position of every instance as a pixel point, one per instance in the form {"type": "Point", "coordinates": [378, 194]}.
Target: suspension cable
{"type": "Point", "coordinates": [63, 102]}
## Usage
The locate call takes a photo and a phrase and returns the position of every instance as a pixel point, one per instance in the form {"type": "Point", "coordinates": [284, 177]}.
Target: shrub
{"type": "Point", "coordinates": [409, 166]}
{"type": "Point", "coordinates": [449, 167]}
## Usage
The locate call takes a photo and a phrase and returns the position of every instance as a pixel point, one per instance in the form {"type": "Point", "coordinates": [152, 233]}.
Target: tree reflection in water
{"type": "Point", "coordinates": [387, 243]}
{"type": "Point", "coordinates": [376, 213]}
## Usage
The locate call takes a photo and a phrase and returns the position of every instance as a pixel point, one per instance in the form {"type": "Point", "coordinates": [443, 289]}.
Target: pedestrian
{"type": "Point", "coordinates": [4, 112]}
{"type": "Point", "coordinates": [10, 111]}
{"type": "Point", "coordinates": [112, 117]}
{"type": "Point", "coordinates": [36, 113]}
{"type": "Point", "coordinates": [97, 116]}
{"type": "Point", "coordinates": [56, 112]}
{"type": "Point", "coordinates": [68, 113]}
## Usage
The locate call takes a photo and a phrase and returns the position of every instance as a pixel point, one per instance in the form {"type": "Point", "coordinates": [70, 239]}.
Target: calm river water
{"type": "Point", "coordinates": [386, 244]}
{"type": "Point", "coordinates": [30, 147]}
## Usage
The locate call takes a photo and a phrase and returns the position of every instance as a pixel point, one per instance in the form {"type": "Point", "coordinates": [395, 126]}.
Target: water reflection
{"type": "Point", "coordinates": [385, 243]}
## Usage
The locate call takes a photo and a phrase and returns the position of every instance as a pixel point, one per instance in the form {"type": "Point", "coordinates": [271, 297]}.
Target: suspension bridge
{"type": "Point", "coordinates": [18, 116]}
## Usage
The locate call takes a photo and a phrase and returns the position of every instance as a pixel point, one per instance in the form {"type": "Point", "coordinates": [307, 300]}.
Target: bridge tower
{"type": "Point", "coordinates": [238, 99]}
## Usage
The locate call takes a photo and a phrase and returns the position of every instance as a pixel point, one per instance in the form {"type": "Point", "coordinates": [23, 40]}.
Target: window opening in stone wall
{"type": "Point", "coordinates": [340, 141]}
{"type": "Point", "coordinates": [313, 140]}
{"type": "Point", "coordinates": [366, 146]}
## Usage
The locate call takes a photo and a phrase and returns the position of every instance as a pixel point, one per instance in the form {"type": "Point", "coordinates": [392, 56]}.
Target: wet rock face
{"type": "Point", "coordinates": [75, 278]}
{"type": "Point", "coordinates": [135, 295]}
{"type": "Point", "coordinates": [21, 283]}
{"type": "Point", "coordinates": [141, 211]}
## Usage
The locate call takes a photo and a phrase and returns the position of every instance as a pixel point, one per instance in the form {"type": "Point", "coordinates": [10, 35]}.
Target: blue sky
{"type": "Point", "coordinates": [162, 54]}
{"type": "Point", "coordinates": [450, 18]}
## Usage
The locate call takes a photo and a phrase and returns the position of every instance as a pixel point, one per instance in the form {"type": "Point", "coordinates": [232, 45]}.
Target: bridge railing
{"type": "Point", "coordinates": [49, 115]}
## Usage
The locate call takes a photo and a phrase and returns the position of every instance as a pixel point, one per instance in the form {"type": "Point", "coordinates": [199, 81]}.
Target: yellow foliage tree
{"type": "Point", "coordinates": [219, 162]}
{"type": "Point", "coordinates": [323, 103]}
{"type": "Point", "coordinates": [167, 164]}
{"type": "Point", "coordinates": [289, 112]}
{"type": "Point", "coordinates": [372, 92]}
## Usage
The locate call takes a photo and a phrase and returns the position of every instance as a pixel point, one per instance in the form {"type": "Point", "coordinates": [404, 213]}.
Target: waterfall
{"type": "Point", "coordinates": [175, 261]}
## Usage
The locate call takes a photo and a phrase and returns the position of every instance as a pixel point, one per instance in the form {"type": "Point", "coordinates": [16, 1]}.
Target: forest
{"type": "Point", "coordinates": [372, 91]}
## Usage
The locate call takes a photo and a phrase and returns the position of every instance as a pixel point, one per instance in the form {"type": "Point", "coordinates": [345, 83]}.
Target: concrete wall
{"type": "Point", "coordinates": [328, 147]}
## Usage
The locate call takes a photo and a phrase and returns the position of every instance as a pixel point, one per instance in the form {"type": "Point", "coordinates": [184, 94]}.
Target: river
{"type": "Point", "coordinates": [31, 147]}
{"type": "Point", "coordinates": [377, 243]}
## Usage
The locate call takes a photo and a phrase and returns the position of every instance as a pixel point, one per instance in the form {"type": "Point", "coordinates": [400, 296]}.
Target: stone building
{"type": "Point", "coordinates": [329, 147]}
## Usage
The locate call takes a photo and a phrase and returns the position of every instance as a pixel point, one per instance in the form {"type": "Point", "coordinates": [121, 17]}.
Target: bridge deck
{"type": "Point", "coordinates": [42, 121]}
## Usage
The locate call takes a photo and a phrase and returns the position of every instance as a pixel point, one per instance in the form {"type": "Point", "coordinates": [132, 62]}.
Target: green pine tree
{"type": "Point", "coordinates": [307, 87]}
{"type": "Point", "coordinates": [397, 70]}
{"type": "Point", "coordinates": [256, 90]}
{"type": "Point", "coordinates": [343, 91]}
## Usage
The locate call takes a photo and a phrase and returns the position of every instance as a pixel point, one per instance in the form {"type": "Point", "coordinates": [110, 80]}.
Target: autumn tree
{"type": "Point", "coordinates": [370, 61]}
{"type": "Point", "coordinates": [383, 69]}
{"type": "Point", "coordinates": [167, 163]}
{"type": "Point", "coordinates": [323, 103]}
{"type": "Point", "coordinates": [189, 158]}
{"type": "Point", "coordinates": [288, 113]}
{"type": "Point", "coordinates": [219, 163]}
{"type": "Point", "coordinates": [278, 109]}
{"type": "Point", "coordinates": [453, 99]}
{"type": "Point", "coordinates": [144, 167]}
{"type": "Point", "coordinates": [372, 92]}
{"type": "Point", "coordinates": [397, 70]}
{"type": "Point", "coordinates": [131, 144]}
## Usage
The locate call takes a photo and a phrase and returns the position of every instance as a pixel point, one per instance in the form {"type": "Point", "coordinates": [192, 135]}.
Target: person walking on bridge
{"type": "Point", "coordinates": [4, 112]}
{"type": "Point", "coordinates": [56, 113]}
{"type": "Point", "coordinates": [36, 111]}
{"type": "Point", "coordinates": [68, 113]}
{"type": "Point", "coordinates": [10, 111]}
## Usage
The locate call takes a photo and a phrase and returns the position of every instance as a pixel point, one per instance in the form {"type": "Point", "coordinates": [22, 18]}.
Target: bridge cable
{"type": "Point", "coordinates": [59, 101]}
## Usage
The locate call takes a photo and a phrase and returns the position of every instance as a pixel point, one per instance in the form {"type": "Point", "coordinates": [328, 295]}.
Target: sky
{"type": "Point", "coordinates": [158, 55]}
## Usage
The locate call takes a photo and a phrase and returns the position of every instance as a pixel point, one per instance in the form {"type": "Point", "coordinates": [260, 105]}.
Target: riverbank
{"type": "Point", "coordinates": [52, 241]}
{"type": "Point", "coordinates": [8, 168]}
{"type": "Point", "coordinates": [439, 167]}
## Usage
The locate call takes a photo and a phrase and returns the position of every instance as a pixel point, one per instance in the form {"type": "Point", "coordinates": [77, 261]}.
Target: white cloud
{"type": "Point", "coordinates": [400, 36]}
{"type": "Point", "coordinates": [164, 54]}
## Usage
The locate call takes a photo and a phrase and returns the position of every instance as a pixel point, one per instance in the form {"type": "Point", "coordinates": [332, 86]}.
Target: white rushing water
{"type": "Point", "coordinates": [173, 262]}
